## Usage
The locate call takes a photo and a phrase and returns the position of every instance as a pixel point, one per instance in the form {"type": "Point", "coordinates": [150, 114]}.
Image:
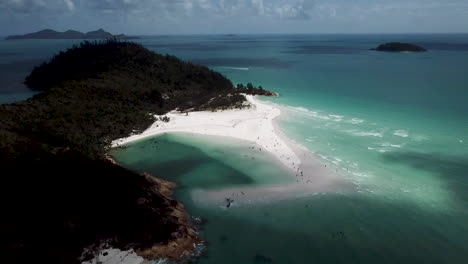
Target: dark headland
{"type": "Point", "coordinates": [399, 47]}
{"type": "Point", "coordinates": [69, 34]}
{"type": "Point", "coordinates": [61, 192]}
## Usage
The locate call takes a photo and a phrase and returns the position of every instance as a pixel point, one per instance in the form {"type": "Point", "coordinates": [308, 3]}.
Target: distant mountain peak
{"type": "Point", "coordinates": [46, 30]}
{"type": "Point", "coordinates": [98, 31]}
{"type": "Point", "coordinates": [69, 34]}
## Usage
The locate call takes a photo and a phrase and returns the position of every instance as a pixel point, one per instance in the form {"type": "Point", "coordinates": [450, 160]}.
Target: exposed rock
{"type": "Point", "coordinates": [185, 240]}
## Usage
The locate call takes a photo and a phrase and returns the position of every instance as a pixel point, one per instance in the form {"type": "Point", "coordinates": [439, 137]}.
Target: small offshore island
{"type": "Point", "coordinates": [399, 47]}
{"type": "Point", "coordinates": [65, 199]}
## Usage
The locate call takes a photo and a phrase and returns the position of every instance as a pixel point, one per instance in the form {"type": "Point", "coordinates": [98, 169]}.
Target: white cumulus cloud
{"type": "Point", "coordinates": [70, 5]}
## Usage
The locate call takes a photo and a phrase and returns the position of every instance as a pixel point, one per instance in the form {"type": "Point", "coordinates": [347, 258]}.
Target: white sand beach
{"type": "Point", "coordinates": [254, 125]}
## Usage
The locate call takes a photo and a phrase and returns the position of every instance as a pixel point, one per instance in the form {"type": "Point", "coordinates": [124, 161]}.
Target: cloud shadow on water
{"type": "Point", "coordinates": [337, 230]}
{"type": "Point", "coordinates": [267, 63]}
{"type": "Point", "coordinates": [201, 47]}
{"type": "Point", "coordinates": [185, 159]}
{"type": "Point", "coordinates": [324, 49]}
{"type": "Point", "coordinates": [452, 169]}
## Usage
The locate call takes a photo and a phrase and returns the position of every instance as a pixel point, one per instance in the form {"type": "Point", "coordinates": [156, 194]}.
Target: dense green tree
{"type": "Point", "coordinates": [59, 192]}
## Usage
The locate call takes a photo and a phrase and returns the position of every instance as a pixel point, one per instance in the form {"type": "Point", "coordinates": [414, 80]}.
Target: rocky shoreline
{"type": "Point", "coordinates": [185, 240]}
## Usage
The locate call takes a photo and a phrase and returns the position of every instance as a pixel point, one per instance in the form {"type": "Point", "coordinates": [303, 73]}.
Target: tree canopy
{"type": "Point", "coordinates": [60, 193]}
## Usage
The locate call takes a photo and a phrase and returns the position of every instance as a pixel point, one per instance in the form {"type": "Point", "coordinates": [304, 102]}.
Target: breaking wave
{"type": "Point", "coordinates": [355, 121]}
{"type": "Point", "coordinates": [235, 68]}
{"type": "Point", "coordinates": [401, 133]}
{"type": "Point", "coordinates": [386, 144]}
{"type": "Point", "coordinates": [365, 133]}
{"type": "Point", "coordinates": [316, 114]}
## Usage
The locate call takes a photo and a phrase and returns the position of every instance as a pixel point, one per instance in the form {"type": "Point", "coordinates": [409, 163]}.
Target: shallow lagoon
{"type": "Point", "coordinates": [351, 227]}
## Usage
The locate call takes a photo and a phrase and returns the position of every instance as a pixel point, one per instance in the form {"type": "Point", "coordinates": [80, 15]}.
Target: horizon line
{"type": "Point", "coordinates": [276, 33]}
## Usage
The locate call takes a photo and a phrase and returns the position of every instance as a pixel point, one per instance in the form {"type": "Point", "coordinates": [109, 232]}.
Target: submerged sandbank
{"type": "Point", "coordinates": [311, 177]}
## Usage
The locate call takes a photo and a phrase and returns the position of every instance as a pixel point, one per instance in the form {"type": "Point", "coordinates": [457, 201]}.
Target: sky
{"type": "Point", "coordinates": [152, 17]}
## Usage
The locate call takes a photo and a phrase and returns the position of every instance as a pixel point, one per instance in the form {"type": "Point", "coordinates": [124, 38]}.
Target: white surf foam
{"type": "Point", "coordinates": [299, 108]}
{"type": "Point", "coordinates": [235, 68]}
{"type": "Point", "coordinates": [316, 114]}
{"type": "Point", "coordinates": [336, 118]}
{"type": "Point", "coordinates": [366, 134]}
{"type": "Point", "coordinates": [386, 144]}
{"type": "Point", "coordinates": [355, 121]}
{"type": "Point", "coordinates": [401, 133]}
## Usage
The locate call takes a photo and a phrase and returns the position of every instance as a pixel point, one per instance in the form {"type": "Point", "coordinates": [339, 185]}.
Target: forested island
{"type": "Point", "coordinates": [69, 34]}
{"type": "Point", "coordinates": [399, 47]}
{"type": "Point", "coordinates": [61, 192]}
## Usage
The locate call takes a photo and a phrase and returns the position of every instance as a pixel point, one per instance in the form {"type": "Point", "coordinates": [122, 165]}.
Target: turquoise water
{"type": "Point", "coordinates": [358, 227]}
{"type": "Point", "coordinates": [394, 125]}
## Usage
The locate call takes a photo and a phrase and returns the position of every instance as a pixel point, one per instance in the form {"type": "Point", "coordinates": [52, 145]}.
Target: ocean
{"type": "Point", "coordinates": [393, 125]}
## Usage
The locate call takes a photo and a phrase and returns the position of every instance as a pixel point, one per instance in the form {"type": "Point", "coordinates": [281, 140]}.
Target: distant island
{"type": "Point", "coordinates": [64, 196]}
{"type": "Point", "coordinates": [69, 34]}
{"type": "Point", "coordinates": [399, 47]}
